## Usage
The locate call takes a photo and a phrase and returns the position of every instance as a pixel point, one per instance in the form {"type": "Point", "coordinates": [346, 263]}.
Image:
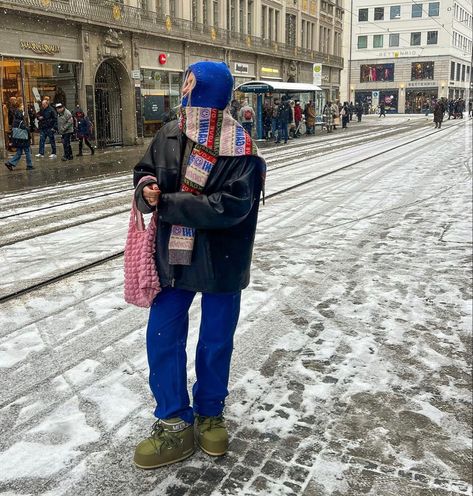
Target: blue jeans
{"type": "Point", "coordinates": [247, 126]}
{"type": "Point", "coordinates": [282, 133]}
{"type": "Point", "coordinates": [166, 345]}
{"type": "Point", "coordinates": [46, 134]}
{"type": "Point", "coordinates": [19, 151]}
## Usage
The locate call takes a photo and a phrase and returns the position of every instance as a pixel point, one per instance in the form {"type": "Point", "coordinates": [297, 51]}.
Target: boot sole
{"type": "Point", "coordinates": [211, 453]}
{"type": "Point", "coordinates": [150, 467]}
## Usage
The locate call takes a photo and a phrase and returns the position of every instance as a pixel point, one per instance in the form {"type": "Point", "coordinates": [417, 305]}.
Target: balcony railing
{"type": "Point", "coordinates": [116, 15]}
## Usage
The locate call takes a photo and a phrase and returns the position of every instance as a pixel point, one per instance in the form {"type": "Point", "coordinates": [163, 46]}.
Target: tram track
{"type": "Point", "coordinates": [68, 273]}
{"type": "Point", "coordinates": [55, 222]}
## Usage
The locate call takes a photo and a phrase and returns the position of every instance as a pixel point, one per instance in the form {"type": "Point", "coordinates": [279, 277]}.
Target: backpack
{"type": "Point", "coordinates": [248, 115]}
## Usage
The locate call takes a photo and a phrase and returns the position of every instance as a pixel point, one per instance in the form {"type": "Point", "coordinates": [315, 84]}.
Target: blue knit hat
{"type": "Point", "coordinates": [214, 85]}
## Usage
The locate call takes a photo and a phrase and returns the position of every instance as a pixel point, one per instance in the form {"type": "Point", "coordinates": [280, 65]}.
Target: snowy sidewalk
{"type": "Point", "coordinates": [350, 373]}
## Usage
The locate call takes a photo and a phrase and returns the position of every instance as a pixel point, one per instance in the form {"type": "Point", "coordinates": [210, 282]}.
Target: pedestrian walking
{"type": "Point", "coordinates": [382, 109]}
{"type": "Point", "coordinates": [47, 124]}
{"type": "Point", "coordinates": [284, 117]}
{"type": "Point", "coordinates": [218, 200]}
{"type": "Point", "coordinates": [21, 140]}
{"type": "Point", "coordinates": [267, 117]}
{"type": "Point", "coordinates": [65, 126]}
{"type": "Point", "coordinates": [247, 117]}
{"type": "Point", "coordinates": [451, 108]}
{"type": "Point", "coordinates": [439, 111]}
{"type": "Point", "coordinates": [274, 119]}
{"type": "Point", "coordinates": [426, 108]}
{"type": "Point", "coordinates": [470, 108]}
{"type": "Point", "coordinates": [84, 131]}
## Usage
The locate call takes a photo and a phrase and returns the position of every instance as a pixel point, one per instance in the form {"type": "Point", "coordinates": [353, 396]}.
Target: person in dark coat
{"type": "Point", "coordinates": [284, 117]}
{"type": "Point", "coordinates": [22, 145]}
{"type": "Point", "coordinates": [345, 113]}
{"type": "Point", "coordinates": [84, 131]}
{"type": "Point", "coordinates": [47, 123]}
{"type": "Point", "coordinates": [206, 186]}
{"type": "Point", "coordinates": [439, 111]}
{"type": "Point", "coordinates": [359, 111]}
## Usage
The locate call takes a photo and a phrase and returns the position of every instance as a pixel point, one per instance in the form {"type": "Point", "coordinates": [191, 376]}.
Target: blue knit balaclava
{"type": "Point", "coordinates": [213, 88]}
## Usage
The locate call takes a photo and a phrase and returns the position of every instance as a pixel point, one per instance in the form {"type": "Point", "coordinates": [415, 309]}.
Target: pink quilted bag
{"type": "Point", "coordinates": [141, 276]}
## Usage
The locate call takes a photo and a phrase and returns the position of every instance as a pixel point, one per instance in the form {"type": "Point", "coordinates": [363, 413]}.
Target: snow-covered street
{"type": "Point", "coordinates": [351, 370]}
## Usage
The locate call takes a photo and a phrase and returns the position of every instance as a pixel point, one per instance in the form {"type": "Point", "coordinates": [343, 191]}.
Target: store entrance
{"type": "Point", "coordinates": [108, 106]}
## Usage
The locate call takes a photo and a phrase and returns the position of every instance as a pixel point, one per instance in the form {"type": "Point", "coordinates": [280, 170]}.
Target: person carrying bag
{"type": "Point", "coordinates": [21, 141]}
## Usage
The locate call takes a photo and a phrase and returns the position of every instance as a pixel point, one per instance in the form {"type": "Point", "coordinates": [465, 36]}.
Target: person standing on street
{"type": "Point", "coordinates": [47, 123]}
{"type": "Point", "coordinates": [284, 117]}
{"type": "Point", "coordinates": [274, 119]}
{"type": "Point", "coordinates": [309, 112]}
{"type": "Point", "coordinates": [297, 118]}
{"type": "Point", "coordinates": [247, 117]}
{"type": "Point", "coordinates": [345, 114]}
{"type": "Point", "coordinates": [21, 140]}
{"type": "Point", "coordinates": [207, 186]}
{"type": "Point", "coordinates": [65, 126]}
{"type": "Point", "coordinates": [359, 111]}
{"type": "Point", "coordinates": [439, 111]}
{"type": "Point", "coordinates": [84, 131]}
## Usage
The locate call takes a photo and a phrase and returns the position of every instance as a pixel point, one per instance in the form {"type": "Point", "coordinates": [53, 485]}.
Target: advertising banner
{"type": "Point", "coordinates": [317, 74]}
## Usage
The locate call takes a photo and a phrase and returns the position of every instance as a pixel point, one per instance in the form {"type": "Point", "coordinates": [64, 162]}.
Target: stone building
{"type": "Point", "coordinates": [123, 61]}
{"type": "Point", "coordinates": [407, 54]}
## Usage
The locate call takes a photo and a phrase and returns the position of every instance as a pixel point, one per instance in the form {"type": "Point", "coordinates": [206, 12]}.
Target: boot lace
{"type": "Point", "coordinates": [209, 423]}
{"type": "Point", "coordinates": [161, 438]}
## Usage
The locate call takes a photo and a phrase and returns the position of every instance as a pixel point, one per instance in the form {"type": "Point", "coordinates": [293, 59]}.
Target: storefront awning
{"type": "Point", "coordinates": [276, 86]}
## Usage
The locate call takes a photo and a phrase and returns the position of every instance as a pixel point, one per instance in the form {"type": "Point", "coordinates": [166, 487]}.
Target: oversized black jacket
{"type": "Point", "coordinates": [224, 215]}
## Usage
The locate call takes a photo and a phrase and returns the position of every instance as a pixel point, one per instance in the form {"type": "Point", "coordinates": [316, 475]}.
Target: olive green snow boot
{"type": "Point", "coordinates": [211, 434]}
{"type": "Point", "coordinates": [171, 440]}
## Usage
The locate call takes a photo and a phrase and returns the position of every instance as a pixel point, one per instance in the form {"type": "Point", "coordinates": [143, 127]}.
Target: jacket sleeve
{"type": "Point", "coordinates": [219, 210]}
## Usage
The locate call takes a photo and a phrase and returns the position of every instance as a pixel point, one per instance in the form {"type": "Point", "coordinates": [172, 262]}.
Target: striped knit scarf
{"type": "Point", "coordinates": [215, 133]}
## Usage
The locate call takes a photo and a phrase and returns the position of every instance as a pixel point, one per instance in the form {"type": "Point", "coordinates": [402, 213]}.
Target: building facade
{"type": "Point", "coordinates": [407, 54]}
{"type": "Point", "coordinates": [123, 61]}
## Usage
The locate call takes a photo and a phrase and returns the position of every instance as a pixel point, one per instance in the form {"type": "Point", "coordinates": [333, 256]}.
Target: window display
{"type": "Point", "coordinates": [29, 81]}
{"type": "Point", "coordinates": [376, 72]}
{"type": "Point", "coordinates": [160, 96]}
{"type": "Point", "coordinates": [390, 99]}
{"type": "Point", "coordinates": [417, 101]}
{"type": "Point", "coordinates": [422, 70]}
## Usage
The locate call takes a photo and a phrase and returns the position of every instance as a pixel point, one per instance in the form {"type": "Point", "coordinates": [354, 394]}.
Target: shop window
{"type": "Point", "coordinates": [378, 41]}
{"type": "Point", "coordinates": [415, 38]}
{"type": "Point", "coordinates": [395, 12]}
{"type": "Point", "coordinates": [434, 8]}
{"type": "Point", "coordinates": [422, 70]}
{"type": "Point", "coordinates": [362, 42]}
{"type": "Point", "coordinates": [362, 15]}
{"type": "Point", "coordinates": [394, 40]}
{"type": "Point", "coordinates": [417, 10]}
{"type": "Point", "coordinates": [376, 72]}
{"type": "Point", "coordinates": [432, 37]}
{"type": "Point", "coordinates": [416, 101]}
{"type": "Point", "coordinates": [160, 94]}
{"type": "Point", "coordinates": [379, 13]}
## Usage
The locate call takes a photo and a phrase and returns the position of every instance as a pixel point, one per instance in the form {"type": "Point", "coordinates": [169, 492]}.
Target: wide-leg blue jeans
{"type": "Point", "coordinates": [166, 345]}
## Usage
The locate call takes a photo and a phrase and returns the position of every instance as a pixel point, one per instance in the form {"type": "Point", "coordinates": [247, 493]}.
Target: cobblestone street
{"type": "Point", "coordinates": [351, 369]}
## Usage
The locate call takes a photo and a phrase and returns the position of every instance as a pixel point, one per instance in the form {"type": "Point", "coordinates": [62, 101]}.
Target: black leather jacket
{"type": "Point", "coordinates": [224, 215]}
